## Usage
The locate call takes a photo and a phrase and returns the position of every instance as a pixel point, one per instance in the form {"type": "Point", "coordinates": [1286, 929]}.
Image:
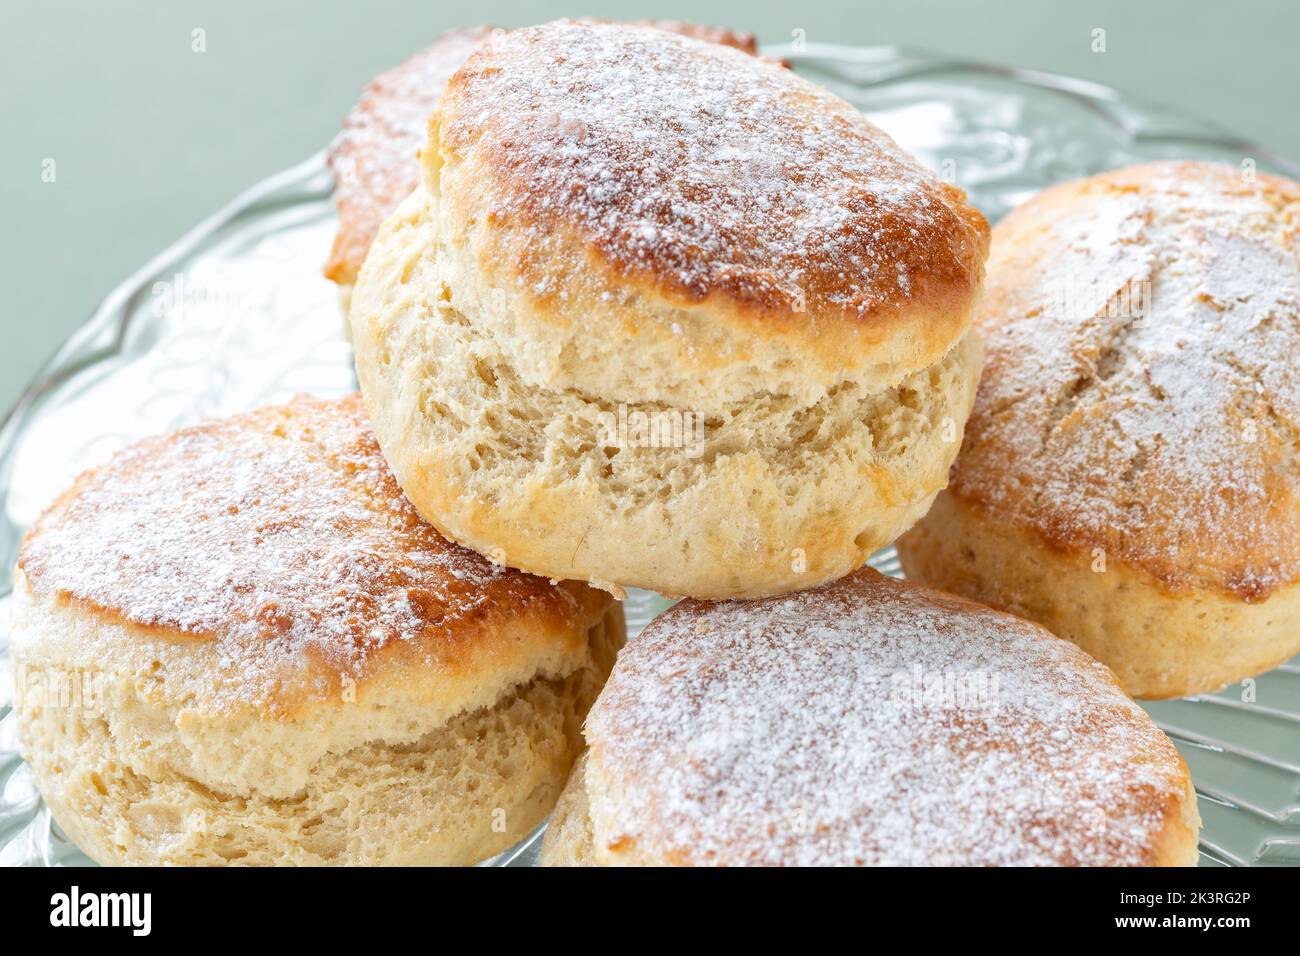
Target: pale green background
{"type": "Point", "coordinates": [149, 137]}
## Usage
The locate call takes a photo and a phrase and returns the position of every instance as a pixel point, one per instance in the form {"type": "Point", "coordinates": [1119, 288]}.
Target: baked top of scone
{"type": "Point", "coordinates": [375, 157]}
{"type": "Point", "coordinates": [598, 163]}
{"type": "Point", "coordinates": [1140, 392]}
{"type": "Point", "coordinates": [279, 546]}
{"type": "Point", "coordinates": [870, 721]}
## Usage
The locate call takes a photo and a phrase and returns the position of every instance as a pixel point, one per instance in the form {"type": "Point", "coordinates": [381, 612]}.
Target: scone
{"type": "Point", "coordinates": [665, 314]}
{"type": "Point", "coordinates": [868, 722]}
{"type": "Point", "coordinates": [240, 644]}
{"type": "Point", "coordinates": [1129, 475]}
{"type": "Point", "coordinates": [375, 158]}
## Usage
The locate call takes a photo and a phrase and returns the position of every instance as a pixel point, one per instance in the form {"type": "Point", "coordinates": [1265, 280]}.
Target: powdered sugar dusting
{"type": "Point", "coordinates": [1163, 430]}
{"type": "Point", "coordinates": [282, 536]}
{"type": "Point", "coordinates": [374, 157]}
{"type": "Point", "coordinates": [705, 168]}
{"type": "Point", "coordinates": [816, 729]}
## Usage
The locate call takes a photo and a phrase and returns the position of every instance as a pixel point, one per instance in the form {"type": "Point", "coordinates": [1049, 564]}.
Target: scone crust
{"type": "Point", "coordinates": [1056, 766]}
{"type": "Point", "coordinates": [278, 545]}
{"type": "Point", "coordinates": [375, 158]}
{"type": "Point", "coordinates": [1140, 393]}
{"type": "Point", "coordinates": [1160, 643]}
{"type": "Point", "coordinates": [725, 214]}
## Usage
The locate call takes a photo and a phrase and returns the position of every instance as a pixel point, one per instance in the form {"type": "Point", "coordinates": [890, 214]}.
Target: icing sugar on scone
{"type": "Point", "coordinates": [1156, 415]}
{"type": "Point", "coordinates": [375, 158]}
{"type": "Point", "coordinates": [282, 537]}
{"type": "Point", "coordinates": [873, 722]}
{"type": "Point", "coordinates": [746, 183]}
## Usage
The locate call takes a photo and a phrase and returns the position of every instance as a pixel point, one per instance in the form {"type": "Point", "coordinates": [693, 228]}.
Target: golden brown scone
{"type": "Point", "coordinates": [868, 722]}
{"type": "Point", "coordinates": [375, 157]}
{"type": "Point", "coordinates": [1129, 474]}
{"type": "Point", "coordinates": [240, 644]}
{"type": "Point", "coordinates": [667, 315]}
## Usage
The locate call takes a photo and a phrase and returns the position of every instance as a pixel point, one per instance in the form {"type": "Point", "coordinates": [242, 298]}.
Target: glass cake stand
{"type": "Point", "coordinates": [236, 314]}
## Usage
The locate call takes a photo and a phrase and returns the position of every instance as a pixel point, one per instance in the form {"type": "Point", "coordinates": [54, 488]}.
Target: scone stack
{"type": "Point", "coordinates": [656, 312]}
{"type": "Point", "coordinates": [662, 314]}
